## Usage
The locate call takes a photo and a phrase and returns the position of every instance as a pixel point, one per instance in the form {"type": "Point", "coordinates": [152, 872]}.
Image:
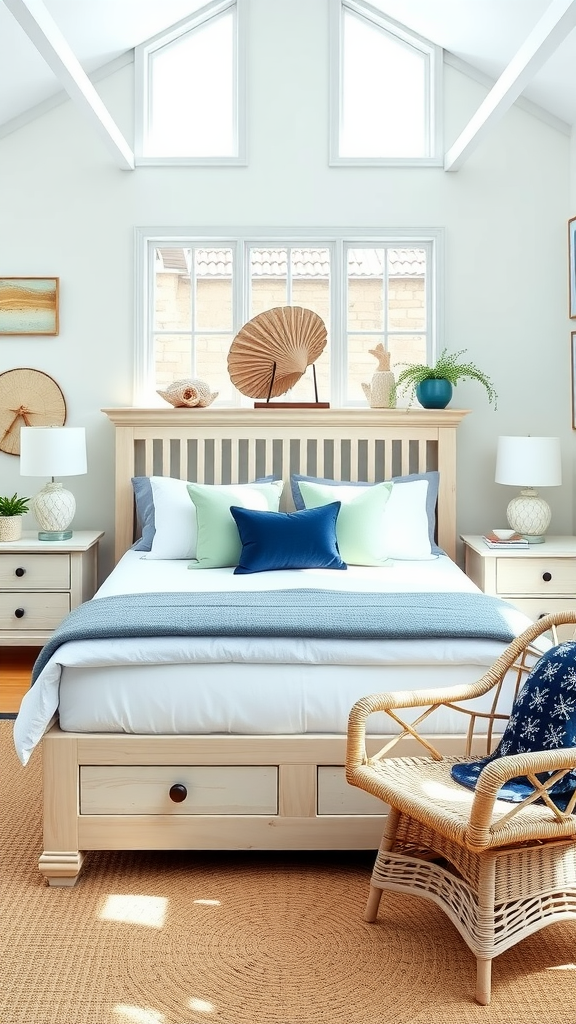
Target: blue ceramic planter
{"type": "Point", "coordinates": [434, 393]}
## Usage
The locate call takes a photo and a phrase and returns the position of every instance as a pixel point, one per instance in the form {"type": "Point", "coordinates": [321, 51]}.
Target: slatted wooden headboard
{"type": "Point", "coordinates": [238, 445]}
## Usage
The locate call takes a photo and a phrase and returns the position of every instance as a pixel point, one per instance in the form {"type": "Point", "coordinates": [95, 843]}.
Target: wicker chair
{"type": "Point", "coordinates": [499, 870]}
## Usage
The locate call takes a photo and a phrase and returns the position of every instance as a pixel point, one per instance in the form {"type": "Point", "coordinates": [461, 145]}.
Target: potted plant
{"type": "Point", "coordinates": [11, 512]}
{"type": "Point", "coordinates": [432, 385]}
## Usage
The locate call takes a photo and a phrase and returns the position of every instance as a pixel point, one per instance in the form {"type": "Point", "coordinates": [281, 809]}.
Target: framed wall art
{"type": "Point", "coordinates": [572, 266]}
{"type": "Point", "coordinates": [29, 305]}
{"type": "Point", "coordinates": [573, 376]}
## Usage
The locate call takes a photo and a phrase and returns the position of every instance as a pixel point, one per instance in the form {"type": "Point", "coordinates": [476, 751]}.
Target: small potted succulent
{"type": "Point", "coordinates": [11, 512]}
{"type": "Point", "coordinates": [432, 385]}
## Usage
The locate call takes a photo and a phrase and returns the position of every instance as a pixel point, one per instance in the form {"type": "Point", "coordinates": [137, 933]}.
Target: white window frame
{"type": "Point", "coordinates": [142, 58]}
{"type": "Point", "coordinates": [434, 57]}
{"type": "Point", "coordinates": [147, 239]}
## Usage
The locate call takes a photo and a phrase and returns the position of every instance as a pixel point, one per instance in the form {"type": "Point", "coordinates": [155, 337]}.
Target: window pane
{"type": "Point", "coordinates": [365, 289]}
{"type": "Point", "coordinates": [172, 307]}
{"type": "Point", "coordinates": [361, 365]}
{"type": "Point", "coordinates": [311, 281]}
{"type": "Point", "coordinates": [406, 290]}
{"type": "Point", "coordinates": [268, 279]}
{"type": "Point", "coordinates": [212, 364]}
{"type": "Point", "coordinates": [213, 289]}
{"type": "Point", "coordinates": [172, 358]}
{"type": "Point", "coordinates": [192, 93]}
{"type": "Point", "coordinates": [405, 349]}
{"type": "Point", "coordinates": [383, 93]}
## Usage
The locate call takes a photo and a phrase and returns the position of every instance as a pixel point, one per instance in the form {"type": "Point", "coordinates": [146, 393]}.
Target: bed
{"type": "Point", "coordinates": [172, 738]}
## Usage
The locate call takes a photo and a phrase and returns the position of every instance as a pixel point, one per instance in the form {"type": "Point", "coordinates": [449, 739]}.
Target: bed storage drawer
{"type": "Point", "coordinates": [187, 789]}
{"type": "Point", "coordinates": [336, 796]}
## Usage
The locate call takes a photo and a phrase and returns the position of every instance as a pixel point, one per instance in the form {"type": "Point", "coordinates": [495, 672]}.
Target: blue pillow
{"type": "Point", "coordinates": [145, 511]}
{"type": "Point", "coordinates": [433, 478]}
{"type": "Point", "coordinates": [288, 540]}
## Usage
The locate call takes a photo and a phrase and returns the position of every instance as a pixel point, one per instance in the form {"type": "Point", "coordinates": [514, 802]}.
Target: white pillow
{"type": "Point", "coordinates": [405, 522]}
{"type": "Point", "coordinates": [175, 519]}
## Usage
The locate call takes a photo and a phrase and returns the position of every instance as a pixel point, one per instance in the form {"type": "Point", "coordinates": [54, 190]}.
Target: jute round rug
{"type": "Point", "coordinates": [241, 938]}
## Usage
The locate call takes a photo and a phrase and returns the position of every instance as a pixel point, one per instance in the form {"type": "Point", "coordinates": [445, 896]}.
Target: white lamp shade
{"type": "Point", "coordinates": [52, 451]}
{"type": "Point", "coordinates": [529, 461]}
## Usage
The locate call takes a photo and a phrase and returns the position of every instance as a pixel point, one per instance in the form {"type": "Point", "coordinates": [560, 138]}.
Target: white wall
{"type": "Point", "coordinates": [66, 210]}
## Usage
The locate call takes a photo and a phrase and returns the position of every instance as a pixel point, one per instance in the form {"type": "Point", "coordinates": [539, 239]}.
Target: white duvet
{"type": "Point", "coordinates": [245, 685]}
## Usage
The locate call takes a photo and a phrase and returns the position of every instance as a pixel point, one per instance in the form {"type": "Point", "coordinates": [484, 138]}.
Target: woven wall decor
{"type": "Point", "coordinates": [272, 351]}
{"type": "Point", "coordinates": [28, 398]}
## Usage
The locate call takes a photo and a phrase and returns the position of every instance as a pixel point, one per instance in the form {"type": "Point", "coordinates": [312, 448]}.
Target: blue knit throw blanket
{"type": "Point", "coordinates": [294, 613]}
{"type": "Point", "coordinates": [543, 717]}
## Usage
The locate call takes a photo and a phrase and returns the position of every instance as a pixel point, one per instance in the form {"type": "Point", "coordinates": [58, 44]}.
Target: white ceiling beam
{"type": "Point", "coordinates": [554, 25]}
{"type": "Point", "coordinates": [43, 32]}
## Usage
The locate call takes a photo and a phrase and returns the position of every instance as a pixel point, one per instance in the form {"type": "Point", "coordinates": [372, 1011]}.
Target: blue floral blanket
{"type": "Point", "coordinates": [543, 717]}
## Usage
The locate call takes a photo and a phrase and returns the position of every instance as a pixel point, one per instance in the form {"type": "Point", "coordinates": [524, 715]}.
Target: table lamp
{"type": "Point", "coordinates": [53, 451]}
{"type": "Point", "coordinates": [528, 463]}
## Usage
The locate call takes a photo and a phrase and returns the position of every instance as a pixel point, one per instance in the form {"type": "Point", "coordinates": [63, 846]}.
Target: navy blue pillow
{"type": "Point", "coordinates": [432, 476]}
{"type": "Point", "coordinates": [288, 540]}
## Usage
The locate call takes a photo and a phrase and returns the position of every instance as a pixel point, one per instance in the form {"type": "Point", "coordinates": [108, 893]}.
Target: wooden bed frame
{"type": "Point", "coordinates": [116, 792]}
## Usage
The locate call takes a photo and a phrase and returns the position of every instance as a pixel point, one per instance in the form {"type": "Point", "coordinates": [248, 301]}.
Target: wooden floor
{"type": "Point", "coordinates": [15, 667]}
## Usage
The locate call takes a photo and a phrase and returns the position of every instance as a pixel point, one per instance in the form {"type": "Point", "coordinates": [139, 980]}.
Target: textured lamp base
{"type": "Point", "coordinates": [54, 509]}
{"type": "Point", "coordinates": [529, 515]}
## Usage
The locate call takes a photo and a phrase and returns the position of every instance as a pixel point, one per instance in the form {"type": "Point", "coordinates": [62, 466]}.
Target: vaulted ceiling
{"type": "Point", "coordinates": [526, 47]}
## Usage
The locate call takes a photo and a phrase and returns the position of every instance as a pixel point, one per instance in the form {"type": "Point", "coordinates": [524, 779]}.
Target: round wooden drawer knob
{"type": "Point", "coordinates": [19, 613]}
{"type": "Point", "coordinates": [20, 572]}
{"type": "Point", "coordinates": [178, 793]}
{"type": "Point", "coordinates": [546, 576]}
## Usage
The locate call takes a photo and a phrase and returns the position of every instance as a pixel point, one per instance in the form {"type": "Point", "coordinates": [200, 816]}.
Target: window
{"type": "Point", "coordinates": [385, 89]}
{"type": "Point", "coordinates": [195, 293]}
{"type": "Point", "coordinates": [189, 105]}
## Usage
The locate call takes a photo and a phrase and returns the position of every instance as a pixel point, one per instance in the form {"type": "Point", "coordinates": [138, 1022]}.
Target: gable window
{"type": "Point", "coordinates": [385, 89]}
{"type": "Point", "coordinates": [369, 288]}
{"type": "Point", "coordinates": [189, 100]}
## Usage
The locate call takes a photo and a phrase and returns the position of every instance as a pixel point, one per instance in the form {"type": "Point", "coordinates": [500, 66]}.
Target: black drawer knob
{"type": "Point", "coordinates": [178, 792]}
{"type": "Point", "coordinates": [19, 613]}
{"type": "Point", "coordinates": [20, 572]}
{"type": "Point", "coordinates": [546, 576]}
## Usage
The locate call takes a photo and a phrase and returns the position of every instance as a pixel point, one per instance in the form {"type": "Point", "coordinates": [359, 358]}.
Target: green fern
{"type": "Point", "coordinates": [448, 368]}
{"type": "Point", "coordinates": [14, 506]}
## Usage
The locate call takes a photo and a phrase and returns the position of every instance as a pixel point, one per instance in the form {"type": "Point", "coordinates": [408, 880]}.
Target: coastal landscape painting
{"type": "Point", "coordinates": [29, 305]}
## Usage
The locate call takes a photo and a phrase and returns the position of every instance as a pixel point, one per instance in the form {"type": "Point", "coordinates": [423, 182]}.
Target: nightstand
{"type": "Point", "coordinates": [41, 581]}
{"type": "Point", "coordinates": [538, 580]}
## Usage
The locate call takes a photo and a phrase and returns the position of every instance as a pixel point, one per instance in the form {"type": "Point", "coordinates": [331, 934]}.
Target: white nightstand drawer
{"type": "Point", "coordinates": [207, 789]}
{"type": "Point", "coordinates": [536, 576]}
{"type": "Point", "coordinates": [27, 611]}
{"type": "Point", "coordinates": [27, 571]}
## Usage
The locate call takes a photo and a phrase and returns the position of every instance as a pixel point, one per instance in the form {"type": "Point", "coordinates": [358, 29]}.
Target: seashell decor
{"type": "Point", "coordinates": [188, 393]}
{"type": "Point", "coordinates": [291, 337]}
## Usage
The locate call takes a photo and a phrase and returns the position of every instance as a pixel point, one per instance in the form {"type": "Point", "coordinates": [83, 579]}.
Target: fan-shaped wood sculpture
{"type": "Point", "coordinates": [272, 351]}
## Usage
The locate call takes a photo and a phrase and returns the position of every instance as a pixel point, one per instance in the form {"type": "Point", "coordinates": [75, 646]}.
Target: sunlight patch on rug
{"type": "Point", "coordinates": [146, 910]}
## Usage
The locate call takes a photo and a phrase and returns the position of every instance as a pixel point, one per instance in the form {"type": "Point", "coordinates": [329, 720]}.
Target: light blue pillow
{"type": "Point", "coordinates": [144, 512]}
{"type": "Point", "coordinates": [146, 516]}
{"type": "Point", "coordinates": [288, 540]}
{"type": "Point", "coordinates": [433, 478]}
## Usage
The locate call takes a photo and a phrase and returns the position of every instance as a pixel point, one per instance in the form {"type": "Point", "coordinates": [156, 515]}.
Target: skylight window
{"type": "Point", "coordinates": [384, 90]}
{"type": "Point", "coordinates": [188, 108]}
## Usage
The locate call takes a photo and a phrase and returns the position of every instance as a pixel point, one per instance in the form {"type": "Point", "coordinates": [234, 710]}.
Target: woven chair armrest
{"type": "Point", "coordinates": [502, 769]}
{"type": "Point", "coordinates": [484, 819]}
{"type": "Point", "coordinates": [394, 701]}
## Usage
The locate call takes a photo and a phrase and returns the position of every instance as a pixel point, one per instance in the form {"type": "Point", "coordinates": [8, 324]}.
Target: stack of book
{"type": "Point", "coordinates": [515, 541]}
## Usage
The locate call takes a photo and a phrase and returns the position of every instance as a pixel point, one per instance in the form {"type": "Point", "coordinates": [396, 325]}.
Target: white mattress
{"type": "Point", "coordinates": [246, 685]}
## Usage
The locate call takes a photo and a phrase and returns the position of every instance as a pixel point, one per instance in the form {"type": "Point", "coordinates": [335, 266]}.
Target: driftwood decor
{"type": "Point", "coordinates": [271, 352]}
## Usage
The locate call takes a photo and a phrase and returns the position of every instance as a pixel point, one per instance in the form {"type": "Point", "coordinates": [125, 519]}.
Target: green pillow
{"type": "Point", "coordinates": [219, 542]}
{"type": "Point", "coordinates": [359, 525]}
